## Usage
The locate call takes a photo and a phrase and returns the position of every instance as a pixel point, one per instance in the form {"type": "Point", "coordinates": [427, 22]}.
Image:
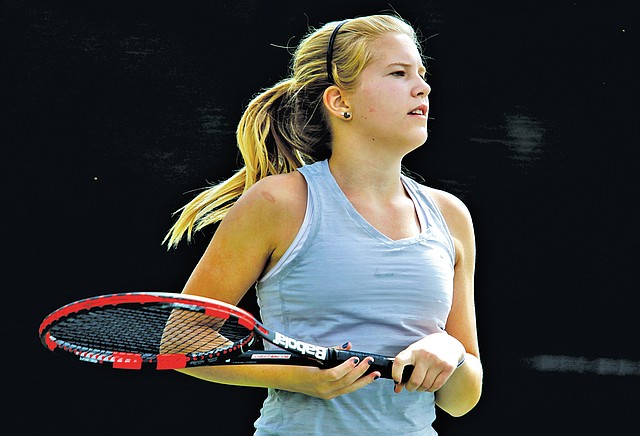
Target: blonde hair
{"type": "Point", "coordinates": [285, 127]}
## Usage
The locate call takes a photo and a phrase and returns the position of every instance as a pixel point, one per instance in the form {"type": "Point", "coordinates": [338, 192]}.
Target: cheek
{"type": "Point", "coordinates": [375, 102]}
{"type": "Point", "coordinates": [370, 112]}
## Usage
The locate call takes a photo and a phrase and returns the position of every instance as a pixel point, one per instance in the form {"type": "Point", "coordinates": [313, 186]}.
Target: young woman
{"type": "Point", "coordinates": [340, 245]}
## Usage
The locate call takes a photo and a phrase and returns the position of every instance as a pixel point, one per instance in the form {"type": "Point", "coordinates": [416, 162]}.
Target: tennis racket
{"type": "Point", "coordinates": [159, 330]}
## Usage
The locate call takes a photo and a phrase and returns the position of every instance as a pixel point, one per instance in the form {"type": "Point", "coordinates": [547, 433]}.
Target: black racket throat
{"type": "Point", "coordinates": [331, 357]}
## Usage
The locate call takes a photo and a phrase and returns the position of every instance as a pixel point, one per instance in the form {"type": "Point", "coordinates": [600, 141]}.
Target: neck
{"type": "Point", "coordinates": [367, 175]}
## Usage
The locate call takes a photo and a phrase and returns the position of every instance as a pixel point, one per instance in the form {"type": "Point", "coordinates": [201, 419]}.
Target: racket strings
{"type": "Point", "coordinates": [112, 329]}
{"type": "Point", "coordinates": [194, 332]}
{"type": "Point", "coordinates": [148, 330]}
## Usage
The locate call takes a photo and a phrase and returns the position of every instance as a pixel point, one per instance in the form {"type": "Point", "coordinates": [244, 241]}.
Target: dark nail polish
{"type": "Point", "coordinates": [345, 345]}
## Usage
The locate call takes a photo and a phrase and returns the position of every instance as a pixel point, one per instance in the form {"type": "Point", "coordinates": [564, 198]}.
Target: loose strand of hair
{"type": "Point", "coordinates": [208, 207]}
{"type": "Point", "coordinates": [253, 133]}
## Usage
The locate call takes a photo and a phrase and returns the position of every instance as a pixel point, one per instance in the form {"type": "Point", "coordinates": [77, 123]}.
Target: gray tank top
{"type": "Point", "coordinates": [343, 280]}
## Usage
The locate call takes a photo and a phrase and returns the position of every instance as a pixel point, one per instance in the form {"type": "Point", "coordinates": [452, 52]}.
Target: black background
{"type": "Point", "coordinates": [114, 112]}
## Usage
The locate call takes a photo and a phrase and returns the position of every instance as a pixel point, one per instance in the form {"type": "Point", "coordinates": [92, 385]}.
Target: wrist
{"type": "Point", "coordinates": [463, 351]}
{"type": "Point", "coordinates": [461, 360]}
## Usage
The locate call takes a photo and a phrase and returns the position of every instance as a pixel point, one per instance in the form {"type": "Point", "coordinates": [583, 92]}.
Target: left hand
{"type": "Point", "coordinates": [434, 358]}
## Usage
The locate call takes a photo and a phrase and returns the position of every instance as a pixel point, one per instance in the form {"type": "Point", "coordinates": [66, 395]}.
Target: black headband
{"type": "Point", "coordinates": [330, 50]}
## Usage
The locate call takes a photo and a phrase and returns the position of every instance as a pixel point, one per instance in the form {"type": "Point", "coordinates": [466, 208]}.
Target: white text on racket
{"type": "Point", "coordinates": [301, 347]}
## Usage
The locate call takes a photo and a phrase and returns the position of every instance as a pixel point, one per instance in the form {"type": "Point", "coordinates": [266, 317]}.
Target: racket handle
{"type": "Point", "coordinates": [380, 363]}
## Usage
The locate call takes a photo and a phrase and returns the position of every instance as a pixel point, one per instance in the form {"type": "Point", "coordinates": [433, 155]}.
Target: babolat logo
{"type": "Point", "coordinates": [301, 347]}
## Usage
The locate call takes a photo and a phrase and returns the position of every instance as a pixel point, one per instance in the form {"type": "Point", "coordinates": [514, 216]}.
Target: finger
{"type": "Point", "coordinates": [397, 388]}
{"type": "Point", "coordinates": [438, 381]}
{"type": "Point", "coordinates": [418, 377]}
{"type": "Point", "coordinates": [345, 346]}
{"type": "Point", "coordinates": [361, 379]}
{"type": "Point", "coordinates": [431, 376]}
{"type": "Point", "coordinates": [398, 368]}
{"type": "Point", "coordinates": [349, 376]}
{"type": "Point", "coordinates": [356, 369]}
{"type": "Point", "coordinates": [360, 370]}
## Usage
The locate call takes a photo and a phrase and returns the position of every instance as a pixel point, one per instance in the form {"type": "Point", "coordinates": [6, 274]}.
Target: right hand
{"type": "Point", "coordinates": [333, 382]}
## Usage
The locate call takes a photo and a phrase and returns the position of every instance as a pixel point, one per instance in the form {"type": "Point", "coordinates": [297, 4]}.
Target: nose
{"type": "Point", "coordinates": [423, 89]}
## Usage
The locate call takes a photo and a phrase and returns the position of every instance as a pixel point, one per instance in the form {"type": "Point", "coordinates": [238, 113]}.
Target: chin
{"type": "Point", "coordinates": [419, 140]}
{"type": "Point", "coordinates": [414, 145]}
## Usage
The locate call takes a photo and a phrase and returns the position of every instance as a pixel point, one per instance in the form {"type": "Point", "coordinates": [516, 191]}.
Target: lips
{"type": "Point", "coordinates": [420, 110]}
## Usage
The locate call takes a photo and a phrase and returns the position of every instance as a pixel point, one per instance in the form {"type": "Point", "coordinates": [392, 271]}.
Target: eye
{"type": "Point", "coordinates": [398, 73]}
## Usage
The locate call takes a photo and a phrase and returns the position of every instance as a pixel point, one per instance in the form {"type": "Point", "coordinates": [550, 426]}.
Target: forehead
{"type": "Point", "coordinates": [396, 48]}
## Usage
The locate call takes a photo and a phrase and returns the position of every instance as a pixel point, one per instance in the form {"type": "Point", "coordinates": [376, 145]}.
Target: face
{"type": "Point", "coordinates": [390, 104]}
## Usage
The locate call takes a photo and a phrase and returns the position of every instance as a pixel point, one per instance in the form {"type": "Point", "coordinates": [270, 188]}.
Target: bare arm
{"type": "Point", "coordinates": [435, 357]}
{"type": "Point", "coordinates": [250, 240]}
{"type": "Point", "coordinates": [463, 389]}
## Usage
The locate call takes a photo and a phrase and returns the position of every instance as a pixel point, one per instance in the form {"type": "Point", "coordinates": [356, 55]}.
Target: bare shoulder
{"type": "Point", "coordinates": [289, 183]}
{"type": "Point", "coordinates": [251, 238]}
{"type": "Point", "coordinates": [455, 212]}
{"type": "Point", "coordinates": [284, 193]}
{"type": "Point", "coordinates": [274, 209]}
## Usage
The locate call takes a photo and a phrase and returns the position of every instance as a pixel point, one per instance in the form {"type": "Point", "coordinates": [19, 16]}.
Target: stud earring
{"type": "Point", "coordinates": [346, 115]}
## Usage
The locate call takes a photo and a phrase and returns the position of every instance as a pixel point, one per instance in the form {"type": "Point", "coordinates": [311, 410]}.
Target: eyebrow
{"type": "Point", "coordinates": [421, 67]}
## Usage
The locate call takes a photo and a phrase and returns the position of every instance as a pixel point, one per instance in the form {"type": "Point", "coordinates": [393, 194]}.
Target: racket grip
{"type": "Point", "coordinates": [380, 363]}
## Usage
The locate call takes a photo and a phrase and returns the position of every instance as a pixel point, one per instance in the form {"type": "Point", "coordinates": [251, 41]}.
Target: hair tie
{"type": "Point", "coordinates": [330, 50]}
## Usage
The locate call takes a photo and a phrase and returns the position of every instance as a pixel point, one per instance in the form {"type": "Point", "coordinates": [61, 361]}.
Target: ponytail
{"type": "Point", "coordinates": [286, 126]}
{"type": "Point", "coordinates": [269, 144]}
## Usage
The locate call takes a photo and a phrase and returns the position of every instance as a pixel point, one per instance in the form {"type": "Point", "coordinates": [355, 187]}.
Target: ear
{"type": "Point", "coordinates": [335, 102]}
